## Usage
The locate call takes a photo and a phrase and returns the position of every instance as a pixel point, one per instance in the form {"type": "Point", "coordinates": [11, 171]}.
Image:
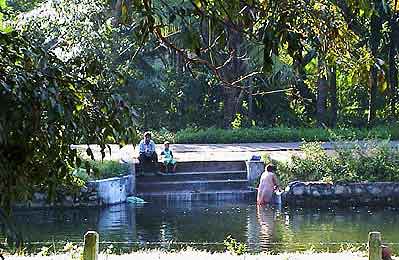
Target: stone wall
{"type": "Point", "coordinates": [95, 193]}
{"type": "Point", "coordinates": [318, 194]}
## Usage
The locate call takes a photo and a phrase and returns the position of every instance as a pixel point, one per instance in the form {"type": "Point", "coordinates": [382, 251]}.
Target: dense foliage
{"type": "Point", "coordinates": [275, 134]}
{"type": "Point", "coordinates": [106, 169]}
{"type": "Point", "coordinates": [267, 63]}
{"type": "Point", "coordinates": [90, 71]}
{"type": "Point", "coordinates": [370, 161]}
{"type": "Point", "coordinates": [46, 105]}
{"type": "Point", "coordinates": [233, 64]}
{"type": "Point", "coordinates": [94, 71]}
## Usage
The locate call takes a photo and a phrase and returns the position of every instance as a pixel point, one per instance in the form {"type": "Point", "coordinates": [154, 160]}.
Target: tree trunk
{"type": "Point", "coordinates": [304, 90]}
{"type": "Point", "coordinates": [375, 36]}
{"type": "Point", "coordinates": [393, 80]}
{"type": "Point", "coordinates": [333, 97]}
{"type": "Point", "coordinates": [117, 11]}
{"type": "Point", "coordinates": [321, 104]}
{"type": "Point", "coordinates": [250, 104]}
{"type": "Point", "coordinates": [179, 63]}
{"type": "Point", "coordinates": [372, 97]}
{"type": "Point", "coordinates": [235, 68]}
{"type": "Point", "coordinates": [229, 111]}
{"type": "Point", "coordinates": [393, 71]}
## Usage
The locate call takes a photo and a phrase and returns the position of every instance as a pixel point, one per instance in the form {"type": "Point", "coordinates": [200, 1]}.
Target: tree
{"type": "Point", "coordinates": [46, 105]}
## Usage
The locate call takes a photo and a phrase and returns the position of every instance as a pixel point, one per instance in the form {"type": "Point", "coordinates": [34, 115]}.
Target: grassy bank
{"type": "Point", "coordinates": [277, 134]}
{"type": "Point", "coordinates": [203, 255]}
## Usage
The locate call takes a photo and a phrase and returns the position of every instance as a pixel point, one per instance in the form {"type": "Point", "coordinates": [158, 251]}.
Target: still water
{"type": "Point", "coordinates": [205, 226]}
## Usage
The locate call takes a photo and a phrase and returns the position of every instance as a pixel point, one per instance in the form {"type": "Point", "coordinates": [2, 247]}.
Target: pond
{"type": "Point", "coordinates": [206, 226]}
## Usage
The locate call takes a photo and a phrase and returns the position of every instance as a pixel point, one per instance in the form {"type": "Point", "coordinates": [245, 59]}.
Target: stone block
{"type": "Point", "coordinates": [298, 190]}
{"type": "Point", "coordinates": [315, 193]}
{"type": "Point", "coordinates": [93, 197]}
{"type": "Point", "coordinates": [84, 189]}
{"type": "Point", "coordinates": [375, 191]}
{"type": "Point", "coordinates": [39, 196]}
{"type": "Point", "coordinates": [254, 171]}
{"type": "Point", "coordinates": [358, 190]}
{"type": "Point", "coordinates": [68, 199]}
{"type": "Point", "coordinates": [339, 190]}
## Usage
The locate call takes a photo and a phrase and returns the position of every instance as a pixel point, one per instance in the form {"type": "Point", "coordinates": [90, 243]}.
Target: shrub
{"type": "Point", "coordinates": [276, 134]}
{"type": "Point", "coordinates": [101, 170]}
{"type": "Point", "coordinates": [354, 162]}
{"type": "Point", "coordinates": [235, 247]}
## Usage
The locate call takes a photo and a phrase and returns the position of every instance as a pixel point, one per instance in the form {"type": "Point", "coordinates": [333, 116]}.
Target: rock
{"type": "Point", "coordinates": [298, 190]}
{"type": "Point", "coordinates": [375, 191]}
{"type": "Point", "coordinates": [84, 189]}
{"type": "Point", "coordinates": [386, 253]}
{"type": "Point", "coordinates": [93, 197]}
{"type": "Point", "coordinates": [39, 196]}
{"type": "Point", "coordinates": [339, 189]}
{"type": "Point", "coordinates": [358, 190]}
{"type": "Point", "coordinates": [68, 199]}
{"type": "Point", "coordinates": [316, 193]}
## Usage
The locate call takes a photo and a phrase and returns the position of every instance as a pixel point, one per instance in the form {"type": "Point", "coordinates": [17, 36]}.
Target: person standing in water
{"type": "Point", "coordinates": [267, 185]}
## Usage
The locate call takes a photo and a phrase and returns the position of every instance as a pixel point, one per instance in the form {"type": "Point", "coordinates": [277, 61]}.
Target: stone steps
{"type": "Point", "coordinates": [199, 185]}
{"type": "Point", "coordinates": [210, 195]}
{"type": "Point", "coordinates": [194, 176]}
{"type": "Point", "coordinates": [197, 181]}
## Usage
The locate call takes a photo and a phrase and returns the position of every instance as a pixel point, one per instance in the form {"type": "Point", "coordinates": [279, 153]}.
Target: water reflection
{"type": "Point", "coordinates": [267, 222]}
{"type": "Point", "coordinates": [263, 229]}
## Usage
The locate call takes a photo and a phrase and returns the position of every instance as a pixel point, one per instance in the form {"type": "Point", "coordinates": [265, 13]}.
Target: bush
{"type": "Point", "coordinates": [277, 134]}
{"type": "Point", "coordinates": [101, 170]}
{"type": "Point", "coordinates": [371, 161]}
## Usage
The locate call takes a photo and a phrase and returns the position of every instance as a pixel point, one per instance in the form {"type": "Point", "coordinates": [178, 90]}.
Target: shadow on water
{"type": "Point", "coordinates": [206, 225]}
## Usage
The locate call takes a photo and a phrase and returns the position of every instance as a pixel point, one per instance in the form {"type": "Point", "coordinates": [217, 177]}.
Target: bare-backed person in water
{"type": "Point", "coordinates": [267, 185]}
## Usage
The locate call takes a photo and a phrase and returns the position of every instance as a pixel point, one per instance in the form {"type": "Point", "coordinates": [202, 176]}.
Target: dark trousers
{"type": "Point", "coordinates": [148, 161]}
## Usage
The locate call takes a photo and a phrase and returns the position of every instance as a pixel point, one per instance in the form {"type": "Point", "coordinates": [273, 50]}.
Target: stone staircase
{"type": "Point", "coordinates": [198, 181]}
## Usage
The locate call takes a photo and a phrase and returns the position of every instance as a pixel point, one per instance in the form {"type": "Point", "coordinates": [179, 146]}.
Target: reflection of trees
{"type": "Point", "coordinates": [209, 223]}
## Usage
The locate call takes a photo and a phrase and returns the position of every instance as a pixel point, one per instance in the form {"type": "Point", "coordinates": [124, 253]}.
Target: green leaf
{"type": "Point", "coordinates": [3, 4]}
{"type": "Point", "coordinates": [197, 3]}
{"type": "Point", "coordinates": [383, 87]}
{"type": "Point", "coordinates": [79, 107]}
{"type": "Point", "coordinates": [125, 12]}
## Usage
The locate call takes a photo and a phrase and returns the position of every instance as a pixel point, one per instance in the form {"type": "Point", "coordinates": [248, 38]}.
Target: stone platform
{"type": "Point", "coordinates": [198, 181]}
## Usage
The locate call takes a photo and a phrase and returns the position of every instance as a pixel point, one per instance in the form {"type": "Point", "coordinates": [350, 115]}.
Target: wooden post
{"type": "Point", "coordinates": [375, 246]}
{"type": "Point", "coordinates": [90, 251]}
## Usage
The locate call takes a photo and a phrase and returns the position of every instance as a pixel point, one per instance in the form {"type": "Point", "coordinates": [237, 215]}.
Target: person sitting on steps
{"type": "Point", "coordinates": [168, 161]}
{"type": "Point", "coordinates": [147, 154]}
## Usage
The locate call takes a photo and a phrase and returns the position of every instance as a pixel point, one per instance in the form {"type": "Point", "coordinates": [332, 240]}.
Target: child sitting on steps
{"type": "Point", "coordinates": [168, 160]}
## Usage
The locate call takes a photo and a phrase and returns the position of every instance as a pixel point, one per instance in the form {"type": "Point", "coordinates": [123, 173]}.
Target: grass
{"type": "Point", "coordinates": [276, 134]}
{"type": "Point", "coordinates": [204, 255]}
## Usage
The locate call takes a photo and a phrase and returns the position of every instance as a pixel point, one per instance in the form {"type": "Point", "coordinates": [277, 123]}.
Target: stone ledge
{"type": "Point", "coordinates": [95, 193]}
{"type": "Point", "coordinates": [317, 194]}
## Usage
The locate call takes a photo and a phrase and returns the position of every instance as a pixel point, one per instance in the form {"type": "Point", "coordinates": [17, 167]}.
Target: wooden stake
{"type": "Point", "coordinates": [90, 251]}
{"type": "Point", "coordinates": [375, 246]}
